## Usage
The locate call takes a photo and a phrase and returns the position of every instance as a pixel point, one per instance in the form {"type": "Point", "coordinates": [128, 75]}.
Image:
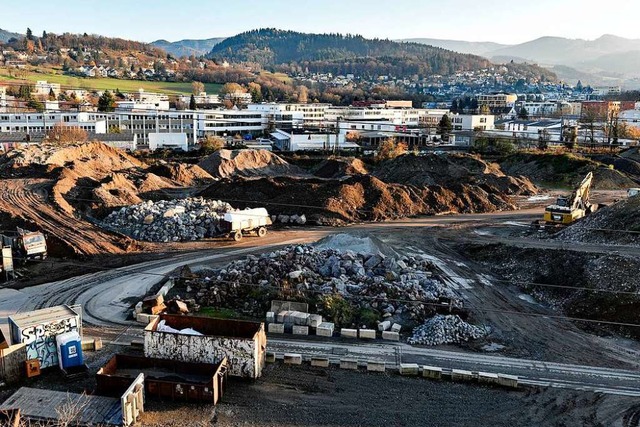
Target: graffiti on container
{"type": "Point", "coordinates": [40, 340]}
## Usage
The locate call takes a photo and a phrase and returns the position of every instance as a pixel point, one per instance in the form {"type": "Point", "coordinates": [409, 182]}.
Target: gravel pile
{"type": "Point", "coordinates": [366, 281]}
{"type": "Point", "coordinates": [441, 329]}
{"type": "Point", "coordinates": [170, 221]}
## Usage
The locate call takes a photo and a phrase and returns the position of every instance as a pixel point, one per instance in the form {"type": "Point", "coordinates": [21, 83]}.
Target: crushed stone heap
{"type": "Point", "coordinates": [385, 284]}
{"type": "Point", "coordinates": [170, 220]}
{"type": "Point", "coordinates": [450, 329]}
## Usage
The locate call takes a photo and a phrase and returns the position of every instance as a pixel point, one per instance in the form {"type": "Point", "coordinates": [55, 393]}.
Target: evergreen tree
{"type": "Point", "coordinates": [106, 103]}
{"type": "Point", "coordinates": [29, 34]}
{"type": "Point", "coordinates": [192, 103]}
{"type": "Point", "coordinates": [523, 114]}
{"type": "Point", "coordinates": [52, 95]}
{"type": "Point", "coordinates": [445, 126]}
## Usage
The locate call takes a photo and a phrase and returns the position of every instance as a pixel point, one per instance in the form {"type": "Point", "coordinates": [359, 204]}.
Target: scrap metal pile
{"type": "Point", "coordinates": [170, 221]}
{"type": "Point", "coordinates": [450, 329]}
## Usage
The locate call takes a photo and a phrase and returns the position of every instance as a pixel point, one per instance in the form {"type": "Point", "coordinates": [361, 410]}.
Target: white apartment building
{"type": "Point", "coordinates": [203, 98]}
{"type": "Point", "coordinates": [404, 116]}
{"type": "Point", "coordinates": [43, 122]}
{"type": "Point", "coordinates": [538, 108]}
{"type": "Point", "coordinates": [292, 114]}
{"type": "Point", "coordinates": [499, 100]}
{"type": "Point", "coordinates": [472, 121]}
{"type": "Point", "coordinates": [607, 90]}
{"type": "Point", "coordinates": [42, 88]}
{"type": "Point", "coordinates": [3, 98]}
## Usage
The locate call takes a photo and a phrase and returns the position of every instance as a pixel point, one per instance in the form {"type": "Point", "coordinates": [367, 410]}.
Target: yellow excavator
{"type": "Point", "coordinates": [567, 210]}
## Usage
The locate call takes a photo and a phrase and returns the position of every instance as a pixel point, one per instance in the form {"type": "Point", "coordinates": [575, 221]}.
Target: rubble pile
{"type": "Point", "coordinates": [450, 329]}
{"type": "Point", "coordinates": [170, 220]}
{"type": "Point", "coordinates": [370, 281]}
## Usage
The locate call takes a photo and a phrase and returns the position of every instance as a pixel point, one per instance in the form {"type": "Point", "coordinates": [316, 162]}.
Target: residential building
{"type": "Point", "coordinates": [630, 117]}
{"type": "Point", "coordinates": [292, 114]}
{"type": "Point", "coordinates": [202, 99]}
{"type": "Point", "coordinates": [3, 99]}
{"type": "Point", "coordinates": [607, 90]}
{"type": "Point", "coordinates": [537, 108]}
{"type": "Point", "coordinates": [238, 98]}
{"type": "Point", "coordinates": [497, 99]}
{"type": "Point", "coordinates": [472, 122]}
{"type": "Point", "coordinates": [42, 88]}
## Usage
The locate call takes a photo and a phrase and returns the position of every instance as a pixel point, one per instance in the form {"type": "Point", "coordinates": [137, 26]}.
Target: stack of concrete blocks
{"type": "Point", "coordinates": [325, 329]}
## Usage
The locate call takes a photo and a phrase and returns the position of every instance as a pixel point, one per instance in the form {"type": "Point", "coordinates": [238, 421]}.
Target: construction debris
{"type": "Point", "coordinates": [170, 221]}
{"type": "Point", "coordinates": [441, 329]}
{"type": "Point", "coordinates": [382, 285]}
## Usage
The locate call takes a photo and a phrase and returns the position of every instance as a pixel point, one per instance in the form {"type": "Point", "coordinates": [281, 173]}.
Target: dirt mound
{"type": "Point", "coordinates": [356, 198]}
{"type": "Point", "coordinates": [564, 170]}
{"type": "Point", "coordinates": [248, 164]}
{"type": "Point", "coordinates": [616, 224]}
{"type": "Point", "coordinates": [452, 170]}
{"type": "Point", "coordinates": [188, 175]}
{"type": "Point", "coordinates": [625, 165]}
{"type": "Point", "coordinates": [340, 167]}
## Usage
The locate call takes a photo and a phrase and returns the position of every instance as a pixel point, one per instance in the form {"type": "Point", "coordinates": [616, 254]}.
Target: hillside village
{"type": "Point", "coordinates": [296, 229]}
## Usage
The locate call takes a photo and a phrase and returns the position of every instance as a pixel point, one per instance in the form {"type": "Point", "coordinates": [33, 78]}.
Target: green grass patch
{"type": "Point", "coordinates": [71, 82]}
{"type": "Point", "coordinates": [221, 313]}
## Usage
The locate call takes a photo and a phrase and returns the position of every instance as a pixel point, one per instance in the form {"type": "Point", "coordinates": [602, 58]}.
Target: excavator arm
{"type": "Point", "coordinates": [580, 197]}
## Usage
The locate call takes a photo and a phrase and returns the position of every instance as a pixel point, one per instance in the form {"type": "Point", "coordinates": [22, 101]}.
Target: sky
{"type": "Point", "coordinates": [508, 22]}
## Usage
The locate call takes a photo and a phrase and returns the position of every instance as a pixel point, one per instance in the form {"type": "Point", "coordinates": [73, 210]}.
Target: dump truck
{"type": "Point", "coordinates": [568, 210]}
{"type": "Point", "coordinates": [249, 221]}
{"type": "Point", "coordinates": [26, 245]}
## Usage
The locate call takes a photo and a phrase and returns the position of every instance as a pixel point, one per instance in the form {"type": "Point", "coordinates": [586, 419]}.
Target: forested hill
{"type": "Point", "coordinates": [271, 47]}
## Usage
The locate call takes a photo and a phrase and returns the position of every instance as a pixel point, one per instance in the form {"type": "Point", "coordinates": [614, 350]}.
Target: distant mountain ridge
{"type": "Point", "coordinates": [188, 47]}
{"type": "Point", "coordinates": [5, 36]}
{"type": "Point", "coordinates": [290, 52]}
{"type": "Point", "coordinates": [608, 59]}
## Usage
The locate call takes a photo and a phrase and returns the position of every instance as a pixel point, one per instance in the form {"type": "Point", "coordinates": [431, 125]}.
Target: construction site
{"type": "Point", "coordinates": [246, 287]}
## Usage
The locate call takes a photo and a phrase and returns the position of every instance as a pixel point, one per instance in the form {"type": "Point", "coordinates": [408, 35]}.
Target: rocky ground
{"type": "Point", "coordinates": [350, 287]}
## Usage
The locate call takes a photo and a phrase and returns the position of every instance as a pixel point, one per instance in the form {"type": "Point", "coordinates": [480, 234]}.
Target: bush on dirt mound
{"type": "Point", "coordinates": [564, 170]}
{"type": "Point", "coordinates": [247, 164]}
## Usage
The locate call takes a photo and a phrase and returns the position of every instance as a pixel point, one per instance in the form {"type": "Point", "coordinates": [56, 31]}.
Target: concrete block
{"type": "Point", "coordinates": [348, 333]}
{"type": "Point", "coordinates": [375, 366]}
{"type": "Point", "coordinates": [270, 357]}
{"type": "Point", "coordinates": [390, 336]}
{"type": "Point", "coordinates": [461, 375]}
{"type": "Point", "coordinates": [301, 319]}
{"type": "Point", "coordinates": [281, 316]}
{"type": "Point", "coordinates": [508, 380]}
{"type": "Point", "coordinates": [144, 318]}
{"type": "Point", "coordinates": [271, 317]}
{"type": "Point", "coordinates": [138, 308]}
{"type": "Point", "coordinates": [369, 334]}
{"type": "Point", "coordinates": [276, 328]}
{"type": "Point", "coordinates": [321, 362]}
{"type": "Point", "coordinates": [325, 329]}
{"type": "Point", "coordinates": [396, 327]}
{"type": "Point", "coordinates": [384, 326]}
{"type": "Point", "coordinates": [300, 330]}
{"type": "Point", "coordinates": [409, 369]}
{"type": "Point", "coordinates": [97, 344]}
{"type": "Point", "coordinates": [88, 345]}
{"type": "Point", "coordinates": [292, 359]}
{"type": "Point", "coordinates": [432, 372]}
{"type": "Point", "coordinates": [348, 364]}
{"type": "Point", "coordinates": [487, 378]}
{"type": "Point", "coordinates": [314, 320]}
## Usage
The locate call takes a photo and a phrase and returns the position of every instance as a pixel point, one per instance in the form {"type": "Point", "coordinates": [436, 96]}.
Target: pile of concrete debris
{"type": "Point", "coordinates": [370, 281]}
{"type": "Point", "coordinates": [450, 329]}
{"type": "Point", "coordinates": [170, 221]}
{"type": "Point", "coordinates": [289, 219]}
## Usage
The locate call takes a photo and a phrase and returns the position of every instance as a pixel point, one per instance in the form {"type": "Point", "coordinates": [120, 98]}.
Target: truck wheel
{"type": "Point", "coordinates": [262, 231]}
{"type": "Point", "coordinates": [237, 236]}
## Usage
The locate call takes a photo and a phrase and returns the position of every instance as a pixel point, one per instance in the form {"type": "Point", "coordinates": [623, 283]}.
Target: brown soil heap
{"type": "Point", "coordinates": [248, 163]}
{"type": "Point", "coordinates": [409, 185]}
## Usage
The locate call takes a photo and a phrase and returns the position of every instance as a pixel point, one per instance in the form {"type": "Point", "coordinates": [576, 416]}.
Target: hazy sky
{"type": "Point", "coordinates": [511, 21]}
